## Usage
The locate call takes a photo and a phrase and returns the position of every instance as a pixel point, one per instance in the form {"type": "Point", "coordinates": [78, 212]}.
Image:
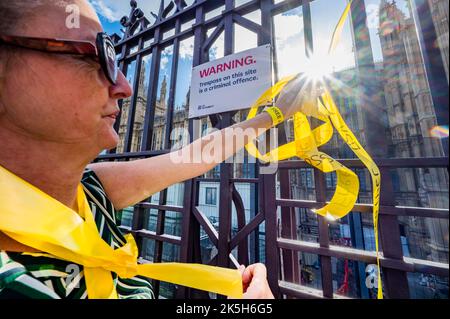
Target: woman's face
{"type": "Point", "coordinates": [62, 99]}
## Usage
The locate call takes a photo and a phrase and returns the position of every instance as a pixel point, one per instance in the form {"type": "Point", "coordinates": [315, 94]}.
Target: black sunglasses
{"type": "Point", "coordinates": [102, 51]}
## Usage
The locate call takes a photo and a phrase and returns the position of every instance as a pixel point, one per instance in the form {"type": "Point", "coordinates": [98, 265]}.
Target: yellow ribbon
{"type": "Point", "coordinates": [37, 220]}
{"type": "Point", "coordinates": [276, 115]}
{"type": "Point", "coordinates": [306, 143]}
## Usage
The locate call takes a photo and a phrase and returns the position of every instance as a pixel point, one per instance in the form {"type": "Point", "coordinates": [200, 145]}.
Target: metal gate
{"type": "Point", "coordinates": [269, 231]}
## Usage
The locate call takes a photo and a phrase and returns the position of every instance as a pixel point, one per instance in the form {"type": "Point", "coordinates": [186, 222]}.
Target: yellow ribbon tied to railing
{"type": "Point", "coordinates": [307, 141]}
{"type": "Point", "coordinates": [39, 221]}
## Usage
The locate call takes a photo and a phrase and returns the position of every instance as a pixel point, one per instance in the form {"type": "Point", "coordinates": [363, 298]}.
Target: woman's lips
{"type": "Point", "coordinates": [113, 116]}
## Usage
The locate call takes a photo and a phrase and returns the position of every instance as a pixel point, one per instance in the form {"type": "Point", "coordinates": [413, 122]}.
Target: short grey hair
{"type": "Point", "coordinates": [15, 14]}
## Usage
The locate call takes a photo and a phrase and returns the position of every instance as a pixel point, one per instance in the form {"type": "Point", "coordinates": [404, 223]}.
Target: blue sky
{"type": "Point", "coordinates": [324, 14]}
{"type": "Point", "coordinates": [110, 11]}
{"type": "Point", "coordinates": [289, 34]}
{"type": "Point", "coordinates": [110, 27]}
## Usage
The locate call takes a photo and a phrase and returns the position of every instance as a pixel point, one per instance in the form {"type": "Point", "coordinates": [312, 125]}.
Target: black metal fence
{"type": "Point", "coordinates": [273, 219]}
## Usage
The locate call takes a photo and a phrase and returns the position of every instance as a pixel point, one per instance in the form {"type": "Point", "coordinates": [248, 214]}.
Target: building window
{"type": "Point", "coordinates": [362, 180]}
{"type": "Point", "coordinates": [395, 180]}
{"type": "Point", "coordinates": [306, 178]}
{"type": "Point", "coordinates": [245, 170]}
{"type": "Point", "coordinates": [204, 128]}
{"type": "Point", "coordinates": [331, 180]}
{"type": "Point", "coordinates": [211, 196]}
{"type": "Point", "coordinates": [369, 239]}
{"type": "Point", "coordinates": [216, 172]}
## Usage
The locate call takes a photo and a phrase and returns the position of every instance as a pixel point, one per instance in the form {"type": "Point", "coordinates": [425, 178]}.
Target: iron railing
{"type": "Point", "coordinates": [281, 245]}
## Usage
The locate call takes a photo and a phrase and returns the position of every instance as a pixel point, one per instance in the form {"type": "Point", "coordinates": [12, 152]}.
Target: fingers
{"type": "Point", "coordinates": [299, 88]}
{"type": "Point", "coordinates": [291, 97]}
{"type": "Point", "coordinates": [254, 279]}
{"type": "Point", "coordinates": [241, 269]}
{"type": "Point", "coordinates": [256, 290]}
{"type": "Point", "coordinates": [254, 271]}
{"type": "Point", "coordinates": [300, 95]}
{"type": "Point", "coordinates": [258, 271]}
{"type": "Point", "coordinates": [245, 281]}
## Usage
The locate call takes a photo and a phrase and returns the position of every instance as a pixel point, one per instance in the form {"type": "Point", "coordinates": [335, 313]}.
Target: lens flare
{"type": "Point", "coordinates": [318, 67]}
{"type": "Point", "coordinates": [439, 131]}
{"type": "Point", "coordinates": [330, 217]}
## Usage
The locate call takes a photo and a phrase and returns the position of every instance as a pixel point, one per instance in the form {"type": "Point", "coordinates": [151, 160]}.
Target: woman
{"type": "Point", "coordinates": [56, 115]}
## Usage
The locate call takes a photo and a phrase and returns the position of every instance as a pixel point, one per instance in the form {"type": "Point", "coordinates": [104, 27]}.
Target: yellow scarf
{"type": "Point", "coordinates": [37, 220]}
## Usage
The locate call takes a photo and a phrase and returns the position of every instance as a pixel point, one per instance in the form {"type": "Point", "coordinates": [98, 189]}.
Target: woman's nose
{"type": "Point", "coordinates": [122, 89]}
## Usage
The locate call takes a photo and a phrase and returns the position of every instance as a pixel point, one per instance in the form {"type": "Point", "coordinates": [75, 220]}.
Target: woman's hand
{"type": "Point", "coordinates": [299, 95]}
{"type": "Point", "coordinates": [254, 279]}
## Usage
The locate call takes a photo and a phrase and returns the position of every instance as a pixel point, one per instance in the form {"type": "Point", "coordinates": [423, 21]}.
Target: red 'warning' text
{"type": "Point", "coordinates": [231, 65]}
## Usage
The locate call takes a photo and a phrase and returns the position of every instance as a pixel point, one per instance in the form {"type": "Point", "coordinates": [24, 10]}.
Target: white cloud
{"type": "Point", "coordinates": [290, 44]}
{"type": "Point", "coordinates": [187, 48]}
{"type": "Point", "coordinates": [104, 10]}
{"type": "Point", "coordinates": [164, 62]}
{"type": "Point", "coordinates": [288, 30]}
{"type": "Point", "coordinates": [166, 57]}
{"type": "Point", "coordinates": [244, 39]}
{"type": "Point", "coordinates": [373, 16]}
{"type": "Point", "coordinates": [147, 59]}
{"type": "Point", "coordinates": [218, 47]}
{"type": "Point", "coordinates": [291, 47]}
